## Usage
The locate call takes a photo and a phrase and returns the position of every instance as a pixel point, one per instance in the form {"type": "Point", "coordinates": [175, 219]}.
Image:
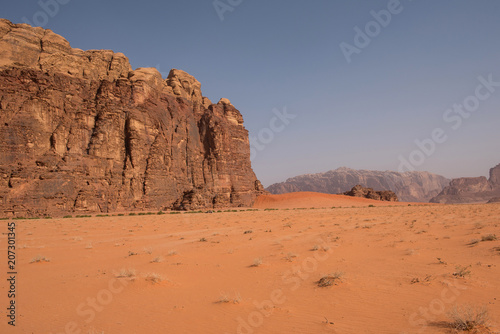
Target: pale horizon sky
{"type": "Point", "coordinates": [271, 56]}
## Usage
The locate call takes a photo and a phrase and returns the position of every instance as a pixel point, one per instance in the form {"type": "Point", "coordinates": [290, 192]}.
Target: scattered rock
{"type": "Point", "coordinates": [385, 195]}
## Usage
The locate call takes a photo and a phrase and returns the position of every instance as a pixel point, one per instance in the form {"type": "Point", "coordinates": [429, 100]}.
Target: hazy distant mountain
{"type": "Point", "coordinates": [472, 189]}
{"type": "Point", "coordinates": [409, 186]}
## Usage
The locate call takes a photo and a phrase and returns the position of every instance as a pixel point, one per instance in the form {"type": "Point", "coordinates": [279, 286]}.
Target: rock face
{"type": "Point", "coordinates": [80, 131]}
{"type": "Point", "coordinates": [471, 189]}
{"type": "Point", "coordinates": [409, 186]}
{"type": "Point", "coordinates": [384, 195]}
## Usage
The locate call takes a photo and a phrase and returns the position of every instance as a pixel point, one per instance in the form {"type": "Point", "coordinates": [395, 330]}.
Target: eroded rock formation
{"type": "Point", "coordinates": [80, 131]}
{"type": "Point", "coordinates": [379, 195]}
{"type": "Point", "coordinates": [471, 189]}
{"type": "Point", "coordinates": [409, 186]}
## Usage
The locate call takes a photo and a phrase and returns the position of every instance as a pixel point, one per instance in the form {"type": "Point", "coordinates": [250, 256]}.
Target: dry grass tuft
{"type": "Point", "coordinates": [473, 242]}
{"type": "Point", "coordinates": [323, 248]}
{"type": "Point", "coordinates": [489, 237]}
{"type": "Point", "coordinates": [39, 258]}
{"type": "Point", "coordinates": [154, 278]}
{"type": "Point", "coordinates": [330, 280]}
{"type": "Point", "coordinates": [468, 318]}
{"type": "Point", "coordinates": [225, 298]}
{"type": "Point", "coordinates": [157, 259]}
{"type": "Point", "coordinates": [462, 271]}
{"type": "Point", "coordinates": [256, 262]}
{"type": "Point", "coordinates": [126, 273]}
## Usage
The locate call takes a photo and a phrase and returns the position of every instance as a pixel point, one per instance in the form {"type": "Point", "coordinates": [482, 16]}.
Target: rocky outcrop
{"type": "Point", "coordinates": [471, 189]}
{"type": "Point", "coordinates": [409, 186]}
{"type": "Point", "coordinates": [383, 195]}
{"type": "Point", "coordinates": [80, 131]}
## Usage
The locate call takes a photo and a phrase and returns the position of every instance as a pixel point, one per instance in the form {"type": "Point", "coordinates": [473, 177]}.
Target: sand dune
{"type": "Point", "coordinates": [316, 200]}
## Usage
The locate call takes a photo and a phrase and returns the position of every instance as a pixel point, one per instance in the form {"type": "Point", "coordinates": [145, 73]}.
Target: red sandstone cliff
{"type": "Point", "coordinates": [80, 131]}
{"type": "Point", "coordinates": [472, 189]}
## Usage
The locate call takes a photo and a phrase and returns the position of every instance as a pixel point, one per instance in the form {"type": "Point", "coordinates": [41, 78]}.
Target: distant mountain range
{"type": "Point", "coordinates": [472, 189]}
{"type": "Point", "coordinates": [409, 186]}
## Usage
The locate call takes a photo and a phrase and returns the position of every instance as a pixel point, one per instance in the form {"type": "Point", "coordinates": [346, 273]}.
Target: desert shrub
{"type": "Point", "coordinates": [224, 298]}
{"type": "Point", "coordinates": [468, 318]}
{"type": "Point", "coordinates": [256, 262]}
{"type": "Point", "coordinates": [126, 273]}
{"type": "Point", "coordinates": [474, 242]}
{"type": "Point", "coordinates": [462, 271]}
{"type": "Point", "coordinates": [39, 258]}
{"type": "Point", "coordinates": [489, 237]}
{"type": "Point", "coordinates": [157, 259]}
{"type": "Point", "coordinates": [154, 278]}
{"type": "Point", "coordinates": [329, 280]}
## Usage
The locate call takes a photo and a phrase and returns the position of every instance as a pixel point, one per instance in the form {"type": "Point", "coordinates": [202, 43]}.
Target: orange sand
{"type": "Point", "coordinates": [317, 200]}
{"type": "Point", "coordinates": [212, 286]}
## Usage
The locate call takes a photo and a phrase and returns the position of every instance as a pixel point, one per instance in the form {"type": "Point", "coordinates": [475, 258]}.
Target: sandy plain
{"type": "Point", "coordinates": [258, 271]}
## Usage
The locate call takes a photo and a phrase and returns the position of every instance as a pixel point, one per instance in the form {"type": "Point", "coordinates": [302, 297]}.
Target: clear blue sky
{"type": "Point", "coordinates": [268, 55]}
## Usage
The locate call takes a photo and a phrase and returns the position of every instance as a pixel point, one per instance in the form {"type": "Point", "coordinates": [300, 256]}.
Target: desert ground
{"type": "Point", "coordinates": [385, 268]}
